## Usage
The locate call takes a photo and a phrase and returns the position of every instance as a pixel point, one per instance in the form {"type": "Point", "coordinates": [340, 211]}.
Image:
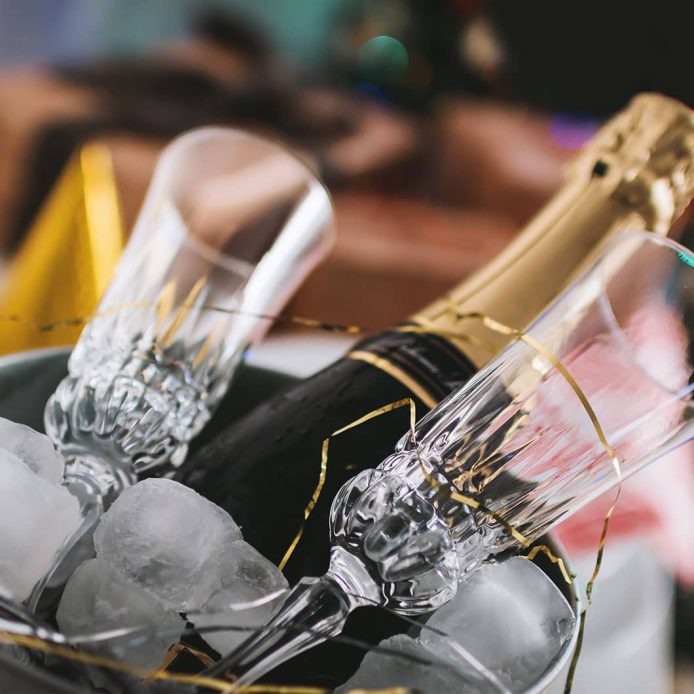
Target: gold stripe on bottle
{"type": "Point", "coordinates": [397, 373]}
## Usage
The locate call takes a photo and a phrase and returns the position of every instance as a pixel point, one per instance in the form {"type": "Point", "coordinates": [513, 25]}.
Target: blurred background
{"type": "Point", "coordinates": [440, 128]}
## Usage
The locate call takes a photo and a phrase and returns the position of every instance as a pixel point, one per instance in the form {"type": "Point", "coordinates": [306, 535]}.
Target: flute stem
{"type": "Point", "coordinates": [315, 610]}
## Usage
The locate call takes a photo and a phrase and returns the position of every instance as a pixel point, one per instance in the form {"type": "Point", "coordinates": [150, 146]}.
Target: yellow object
{"type": "Point", "coordinates": [68, 257]}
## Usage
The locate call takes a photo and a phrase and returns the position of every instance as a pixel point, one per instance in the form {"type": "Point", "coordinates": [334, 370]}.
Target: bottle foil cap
{"type": "Point", "coordinates": [646, 154]}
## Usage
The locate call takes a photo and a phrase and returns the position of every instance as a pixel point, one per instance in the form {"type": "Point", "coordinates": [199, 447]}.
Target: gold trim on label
{"type": "Point", "coordinates": [398, 374]}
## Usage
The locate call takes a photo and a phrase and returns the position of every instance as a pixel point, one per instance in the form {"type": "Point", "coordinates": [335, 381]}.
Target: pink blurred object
{"type": "Point", "coordinates": [658, 502]}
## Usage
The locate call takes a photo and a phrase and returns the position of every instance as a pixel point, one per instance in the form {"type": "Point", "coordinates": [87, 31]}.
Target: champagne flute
{"type": "Point", "coordinates": [231, 225]}
{"type": "Point", "coordinates": [512, 453]}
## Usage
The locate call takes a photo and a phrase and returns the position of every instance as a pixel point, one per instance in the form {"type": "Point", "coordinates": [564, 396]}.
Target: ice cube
{"type": "Point", "coordinates": [167, 539]}
{"type": "Point", "coordinates": [35, 449]}
{"type": "Point", "coordinates": [95, 600]}
{"type": "Point", "coordinates": [510, 617]}
{"type": "Point", "coordinates": [242, 598]}
{"type": "Point", "coordinates": [36, 517]}
{"type": "Point", "coordinates": [401, 661]}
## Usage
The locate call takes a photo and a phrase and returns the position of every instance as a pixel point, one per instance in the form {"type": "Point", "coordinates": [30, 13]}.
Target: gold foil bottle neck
{"type": "Point", "coordinates": [637, 172]}
{"type": "Point", "coordinates": [645, 154]}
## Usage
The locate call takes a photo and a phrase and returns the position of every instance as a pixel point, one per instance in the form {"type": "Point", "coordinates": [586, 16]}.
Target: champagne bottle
{"type": "Point", "coordinates": [636, 173]}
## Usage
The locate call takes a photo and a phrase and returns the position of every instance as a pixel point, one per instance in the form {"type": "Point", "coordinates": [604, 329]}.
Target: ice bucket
{"type": "Point", "coordinates": [27, 379]}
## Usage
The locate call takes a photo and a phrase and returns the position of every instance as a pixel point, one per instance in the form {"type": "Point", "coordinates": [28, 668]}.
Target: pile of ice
{"type": "Point", "coordinates": [505, 627]}
{"type": "Point", "coordinates": [37, 515]}
{"type": "Point", "coordinates": [162, 549]}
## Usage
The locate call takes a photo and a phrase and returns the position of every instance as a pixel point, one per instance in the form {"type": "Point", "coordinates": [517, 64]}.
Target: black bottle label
{"type": "Point", "coordinates": [428, 365]}
{"type": "Point", "coordinates": [264, 468]}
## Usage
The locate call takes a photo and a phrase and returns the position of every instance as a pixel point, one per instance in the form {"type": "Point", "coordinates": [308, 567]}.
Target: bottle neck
{"type": "Point", "coordinates": [636, 174]}
{"type": "Point", "coordinates": [536, 266]}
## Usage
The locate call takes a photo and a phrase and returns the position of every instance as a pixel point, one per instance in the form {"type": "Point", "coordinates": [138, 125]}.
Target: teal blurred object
{"type": "Point", "coordinates": [383, 60]}
{"type": "Point", "coordinates": [301, 29]}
